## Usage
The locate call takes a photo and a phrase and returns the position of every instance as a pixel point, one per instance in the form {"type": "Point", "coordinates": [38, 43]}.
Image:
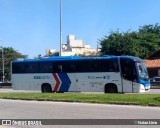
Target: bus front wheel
{"type": "Point", "coordinates": [46, 88]}
{"type": "Point", "coordinates": [111, 88]}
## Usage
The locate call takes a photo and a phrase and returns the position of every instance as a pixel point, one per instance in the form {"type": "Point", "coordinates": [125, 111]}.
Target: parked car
{"type": "Point", "coordinates": [155, 82]}
{"type": "Point", "coordinates": [0, 84]}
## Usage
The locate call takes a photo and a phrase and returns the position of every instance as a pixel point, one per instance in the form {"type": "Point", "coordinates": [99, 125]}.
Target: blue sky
{"type": "Point", "coordinates": [32, 26]}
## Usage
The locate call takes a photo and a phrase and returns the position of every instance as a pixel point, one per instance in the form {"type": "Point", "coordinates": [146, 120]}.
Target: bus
{"type": "Point", "coordinates": [108, 74]}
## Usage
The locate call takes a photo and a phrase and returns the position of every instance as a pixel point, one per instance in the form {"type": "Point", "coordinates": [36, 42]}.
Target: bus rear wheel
{"type": "Point", "coordinates": [111, 88]}
{"type": "Point", "coordinates": [46, 88]}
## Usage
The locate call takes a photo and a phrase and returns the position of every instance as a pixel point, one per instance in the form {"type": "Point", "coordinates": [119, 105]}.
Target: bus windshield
{"type": "Point", "coordinates": [142, 71]}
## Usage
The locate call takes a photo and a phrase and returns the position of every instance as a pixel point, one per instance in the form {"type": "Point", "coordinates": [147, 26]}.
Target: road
{"type": "Point", "coordinates": [18, 109]}
{"type": "Point", "coordinates": [15, 109]}
{"type": "Point", "coordinates": [153, 91]}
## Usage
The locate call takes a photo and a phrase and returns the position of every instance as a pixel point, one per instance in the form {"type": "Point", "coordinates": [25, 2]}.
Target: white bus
{"type": "Point", "coordinates": [108, 74]}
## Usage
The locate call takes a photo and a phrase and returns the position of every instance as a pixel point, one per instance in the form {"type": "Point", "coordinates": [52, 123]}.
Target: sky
{"type": "Point", "coordinates": [32, 26]}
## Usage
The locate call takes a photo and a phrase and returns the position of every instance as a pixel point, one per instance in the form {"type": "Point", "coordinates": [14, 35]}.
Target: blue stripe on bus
{"type": "Point", "coordinates": [65, 82]}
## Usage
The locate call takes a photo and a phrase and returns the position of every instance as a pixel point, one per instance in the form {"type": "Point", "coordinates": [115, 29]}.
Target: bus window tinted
{"type": "Point", "coordinates": [45, 67]}
{"type": "Point", "coordinates": [109, 65]}
{"type": "Point", "coordinates": [128, 69]}
{"type": "Point", "coordinates": [18, 68]}
{"type": "Point", "coordinates": [31, 67]}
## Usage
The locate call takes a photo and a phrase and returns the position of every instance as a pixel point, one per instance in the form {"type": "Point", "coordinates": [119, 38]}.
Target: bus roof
{"type": "Point", "coordinates": [57, 58]}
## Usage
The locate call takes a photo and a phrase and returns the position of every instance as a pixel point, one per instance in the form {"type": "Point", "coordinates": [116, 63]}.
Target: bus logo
{"type": "Point", "coordinates": [42, 77]}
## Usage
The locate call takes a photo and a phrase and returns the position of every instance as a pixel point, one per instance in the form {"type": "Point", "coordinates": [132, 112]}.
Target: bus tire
{"type": "Point", "coordinates": [110, 88]}
{"type": "Point", "coordinates": [46, 88]}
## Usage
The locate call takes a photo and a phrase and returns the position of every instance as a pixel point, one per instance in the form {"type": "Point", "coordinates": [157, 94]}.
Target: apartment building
{"type": "Point", "coordinates": [75, 47]}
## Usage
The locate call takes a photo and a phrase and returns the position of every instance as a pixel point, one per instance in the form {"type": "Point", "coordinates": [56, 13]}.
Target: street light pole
{"type": "Point", "coordinates": [3, 64]}
{"type": "Point", "coordinates": [60, 52]}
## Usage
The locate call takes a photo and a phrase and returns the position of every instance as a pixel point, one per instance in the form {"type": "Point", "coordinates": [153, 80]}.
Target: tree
{"type": "Point", "coordinates": [120, 44]}
{"type": "Point", "coordinates": [140, 44]}
{"type": "Point", "coordinates": [9, 55]}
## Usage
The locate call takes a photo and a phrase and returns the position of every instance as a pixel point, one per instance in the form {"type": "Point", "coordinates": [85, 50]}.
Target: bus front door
{"type": "Point", "coordinates": [128, 75]}
{"type": "Point", "coordinates": [82, 82]}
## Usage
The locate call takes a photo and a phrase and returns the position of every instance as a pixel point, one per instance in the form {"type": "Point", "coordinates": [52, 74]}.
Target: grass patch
{"type": "Point", "coordinates": [129, 99]}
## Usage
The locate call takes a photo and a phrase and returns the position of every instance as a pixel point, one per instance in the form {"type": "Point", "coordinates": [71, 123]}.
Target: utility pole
{"type": "Point", "coordinates": [97, 50]}
{"type": "Point", "coordinates": [60, 51]}
{"type": "Point", "coordinates": [3, 65]}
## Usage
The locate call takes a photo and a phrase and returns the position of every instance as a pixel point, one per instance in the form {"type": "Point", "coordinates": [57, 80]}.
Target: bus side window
{"type": "Point", "coordinates": [72, 68]}
{"type": "Point", "coordinates": [115, 65]}
{"type": "Point", "coordinates": [18, 68]}
{"type": "Point", "coordinates": [31, 67]}
{"type": "Point", "coordinates": [128, 69]}
{"type": "Point", "coordinates": [96, 66]}
{"type": "Point", "coordinates": [67, 67]}
{"type": "Point", "coordinates": [110, 65]}
{"type": "Point", "coordinates": [90, 66]}
{"type": "Point", "coordinates": [59, 68]}
{"type": "Point", "coordinates": [45, 67]}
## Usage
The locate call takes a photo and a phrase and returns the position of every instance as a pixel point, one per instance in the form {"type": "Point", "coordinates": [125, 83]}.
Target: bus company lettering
{"type": "Point", "coordinates": [96, 83]}
{"type": "Point", "coordinates": [95, 77]}
{"type": "Point", "coordinates": [42, 77]}
{"type": "Point", "coordinates": [91, 77]}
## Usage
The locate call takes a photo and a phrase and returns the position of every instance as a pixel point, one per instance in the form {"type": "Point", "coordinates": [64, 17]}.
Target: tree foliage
{"type": "Point", "coordinates": [140, 44]}
{"type": "Point", "coordinates": [9, 55]}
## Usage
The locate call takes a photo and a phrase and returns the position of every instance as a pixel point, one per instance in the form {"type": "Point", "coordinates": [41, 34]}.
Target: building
{"type": "Point", "coordinates": [75, 47]}
{"type": "Point", "coordinates": [153, 64]}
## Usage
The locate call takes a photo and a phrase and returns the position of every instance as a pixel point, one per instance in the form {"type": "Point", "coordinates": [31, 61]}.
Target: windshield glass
{"type": "Point", "coordinates": [142, 71]}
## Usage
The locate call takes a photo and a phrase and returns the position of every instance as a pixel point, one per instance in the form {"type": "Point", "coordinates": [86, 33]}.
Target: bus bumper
{"type": "Point", "coordinates": [144, 88]}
